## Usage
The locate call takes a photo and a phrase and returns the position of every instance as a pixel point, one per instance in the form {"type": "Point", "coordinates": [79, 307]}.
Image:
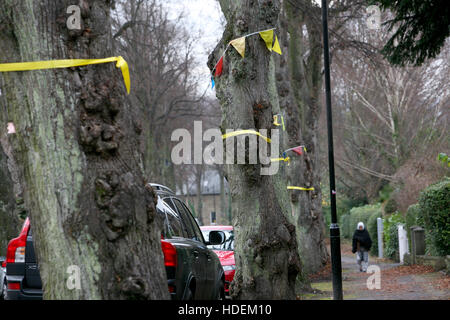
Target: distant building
{"type": "Point", "coordinates": [215, 207]}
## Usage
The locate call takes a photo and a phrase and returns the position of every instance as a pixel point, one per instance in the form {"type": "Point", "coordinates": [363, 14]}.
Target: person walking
{"type": "Point", "coordinates": [361, 246]}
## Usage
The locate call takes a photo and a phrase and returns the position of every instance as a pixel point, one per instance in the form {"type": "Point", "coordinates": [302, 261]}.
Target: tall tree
{"type": "Point", "coordinates": [299, 84]}
{"type": "Point", "coordinates": [160, 53]}
{"type": "Point", "coordinates": [419, 27]}
{"type": "Point", "coordinates": [267, 258]}
{"type": "Point", "coordinates": [77, 147]}
{"type": "Point", "coordinates": [386, 115]}
{"type": "Point", "coordinates": [9, 221]}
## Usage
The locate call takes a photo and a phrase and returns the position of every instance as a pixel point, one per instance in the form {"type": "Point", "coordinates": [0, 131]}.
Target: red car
{"type": "Point", "coordinates": [225, 251]}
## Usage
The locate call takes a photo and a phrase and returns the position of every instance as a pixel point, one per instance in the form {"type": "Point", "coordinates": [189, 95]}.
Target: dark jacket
{"type": "Point", "coordinates": [363, 237]}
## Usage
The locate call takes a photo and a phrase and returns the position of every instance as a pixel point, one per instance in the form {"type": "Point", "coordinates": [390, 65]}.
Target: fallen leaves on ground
{"type": "Point", "coordinates": [323, 274]}
{"type": "Point", "coordinates": [407, 270]}
{"type": "Point", "coordinates": [442, 283]}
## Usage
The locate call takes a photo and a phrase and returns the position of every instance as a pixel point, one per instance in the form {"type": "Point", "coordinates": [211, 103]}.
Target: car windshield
{"type": "Point", "coordinates": [228, 245]}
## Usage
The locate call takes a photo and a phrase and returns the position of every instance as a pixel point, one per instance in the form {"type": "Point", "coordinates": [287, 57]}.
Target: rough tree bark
{"type": "Point", "coordinates": [9, 222]}
{"type": "Point", "coordinates": [299, 84]}
{"type": "Point", "coordinates": [77, 149]}
{"type": "Point", "coordinates": [267, 259]}
{"type": "Point", "coordinates": [199, 172]}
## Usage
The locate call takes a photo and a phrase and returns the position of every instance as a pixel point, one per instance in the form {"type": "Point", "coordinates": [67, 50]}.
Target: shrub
{"type": "Point", "coordinates": [373, 231]}
{"type": "Point", "coordinates": [391, 206]}
{"type": "Point", "coordinates": [345, 226]}
{"type": "Point", "coordinates": [413, 218]}
{"type": "Point", "coordinates": [390, 226]}
{"type": "Point", "coordinates": [385, 192]}
{"type": "Point", "coordinates": [362, 214]}
{"type": "Point", "coordinates": [434, 203]}
{"type": "Point", "coordinates": [368, 214]}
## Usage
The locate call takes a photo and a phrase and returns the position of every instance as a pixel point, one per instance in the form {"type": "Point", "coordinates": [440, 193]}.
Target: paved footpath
{"type": "Point", "coordinates": [398, 282]}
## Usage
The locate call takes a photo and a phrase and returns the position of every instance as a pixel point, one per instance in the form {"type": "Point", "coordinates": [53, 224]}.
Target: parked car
{"type": "Point", "coordinates": [23, 281]}
{"type": "Point", "coordinates": [224, 251]}
{"type": "Point", "coordinates": [193, 270]}
{"type": "Point", "coordinates": [2, 278]}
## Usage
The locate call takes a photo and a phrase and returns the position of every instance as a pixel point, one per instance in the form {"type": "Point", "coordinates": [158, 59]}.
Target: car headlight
{"type": "Point", "coordinates": [229, 268]}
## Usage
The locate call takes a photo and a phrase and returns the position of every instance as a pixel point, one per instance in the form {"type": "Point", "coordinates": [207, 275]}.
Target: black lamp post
{"type": "Point", "coordinates": [335, 242]}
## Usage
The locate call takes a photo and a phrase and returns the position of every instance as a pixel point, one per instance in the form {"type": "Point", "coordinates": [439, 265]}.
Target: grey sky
{"type": "Point", "coordinates": [205, 19]}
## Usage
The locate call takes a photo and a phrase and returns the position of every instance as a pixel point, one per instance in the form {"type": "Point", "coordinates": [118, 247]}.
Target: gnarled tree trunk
{"type": "Point", "coordinates": [267, 259]}
{"type": "Point", "coordinates": [299, 84]}
{"type": "Point", "coordinates": [9, 222]}
{"type": "Point", "coordinates": [77, 147]}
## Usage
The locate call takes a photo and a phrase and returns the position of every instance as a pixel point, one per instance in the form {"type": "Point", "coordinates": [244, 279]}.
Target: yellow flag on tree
{"type": "Point", "coordinates": [239, 45]}
{"type": "Point", "coordinates": [276, 46]}
{"type": "Point", "coordinates": [267, 36]}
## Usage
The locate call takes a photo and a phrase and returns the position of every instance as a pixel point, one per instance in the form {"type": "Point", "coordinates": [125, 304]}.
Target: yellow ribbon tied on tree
{"type": "Point", "coordinates": [244, 132]}
{"type": "Point", "coordinates": [68, 63]}
{"type": "Point", "coordinates": [300, 188]}
{"type": "Point", "coordinates": [287, 159]}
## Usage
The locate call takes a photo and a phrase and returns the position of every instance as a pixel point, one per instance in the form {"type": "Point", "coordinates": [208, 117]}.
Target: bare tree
{"type": "Point", "coordinates": [160, 51]}
{"type": "Point", "coordinates": [385, 115]}
{"type": "Point", "coordinates": [77, 148]}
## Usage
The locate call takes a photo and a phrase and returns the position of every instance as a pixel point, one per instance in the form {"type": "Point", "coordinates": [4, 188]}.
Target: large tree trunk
{"type": "Point", "coordinates": [9, 222]}
{"type": "Point", "coordinates": [267, 259]}
{"type": "Point", "coordinates": [299, 84]}
{"type": "Point", "coordinates": [78, 151]}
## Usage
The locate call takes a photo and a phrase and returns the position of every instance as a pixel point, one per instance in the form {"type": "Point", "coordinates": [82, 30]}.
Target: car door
{"type": "Point", "coordinates": [211, 266]}
{"type": "Point", "coordinates": [200, 251]}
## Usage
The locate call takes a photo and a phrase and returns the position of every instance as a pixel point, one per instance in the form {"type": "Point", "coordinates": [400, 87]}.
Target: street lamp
{"type": "Point", "coordinates": [335, 242]}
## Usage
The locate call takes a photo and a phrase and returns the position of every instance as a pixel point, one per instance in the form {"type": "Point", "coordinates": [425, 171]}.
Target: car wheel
{"type": "Point", "coordinates": [220, 294]}
{"type": "Point", "coordinates": [3, 295]}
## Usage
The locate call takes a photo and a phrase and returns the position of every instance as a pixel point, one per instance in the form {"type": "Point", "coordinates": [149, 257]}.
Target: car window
{"type": "Point", "coordinates": [169, 202]}
{"type": "Point", "coordinates": [187, 228]}
{"type": "Point", "coordinates": [197, 230]}
{"type": "Point", "coordinates": [186, 215]}
{"type": "Point", "coordinates": [173, 227]}
{"type": "Point", "coordinates": [228, 245]}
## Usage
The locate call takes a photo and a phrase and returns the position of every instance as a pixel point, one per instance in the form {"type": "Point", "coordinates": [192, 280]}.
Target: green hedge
{"type": "Point", "coordinates": [363, 214]}
{"type": "Point", "coordinates": [390, 226]}
{"type": "Point", "coordinates": [391, 206]}
{"type": "Point", "coordinates": [413, 218]}
{"type": "Point", "coordinates": [368, 214]}
{"type": "Point", "coordinates": [434, 204]}
{"type": "Point", "coordinates": [345, 226]}
{"type": "Point", "coordinates": [372, 228]}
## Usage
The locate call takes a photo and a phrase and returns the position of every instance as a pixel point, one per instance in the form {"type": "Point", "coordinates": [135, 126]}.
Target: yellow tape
{"type": "Point", "coordinates": [275, 121]}
{"type": "Point", "coordinates": [300, 188]}
{"type": "Point", "coordinates": [281, 159]}
{"type": "Point", "coordinates": [68, 63]}
{"type": "Point", "coordinates": [241, 132]}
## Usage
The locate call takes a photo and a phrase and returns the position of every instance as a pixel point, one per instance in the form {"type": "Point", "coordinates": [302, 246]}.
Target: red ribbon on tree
{"type": "Point", "coordinates": [298, 150]}
{"type": "Point", "coordinates": [219, 68]}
